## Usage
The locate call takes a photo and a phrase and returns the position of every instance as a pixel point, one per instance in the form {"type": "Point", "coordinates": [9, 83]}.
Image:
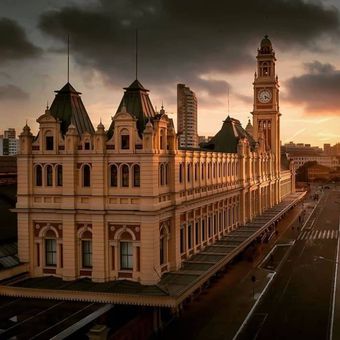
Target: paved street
{"type": "Point", "coordinates": [299, 302]}
{"type": "Point", "coordinates": [220, 310]}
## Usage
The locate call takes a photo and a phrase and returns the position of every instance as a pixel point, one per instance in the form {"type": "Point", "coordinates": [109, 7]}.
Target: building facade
{"type": "Point", "coordinates": [186, 117]}
{"type": "Point", "coordinates": [127, 203]}
{"type": "Point", "coordinates": [300, 159]}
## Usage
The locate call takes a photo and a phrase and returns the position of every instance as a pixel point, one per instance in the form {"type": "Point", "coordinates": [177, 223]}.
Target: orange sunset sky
{"type": "Point", "coordinates": [209, 46]}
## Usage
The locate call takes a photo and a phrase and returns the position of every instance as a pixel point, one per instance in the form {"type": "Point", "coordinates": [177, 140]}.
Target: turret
{"type": "Point", "coordinates": [26, 139]}
{"type": "Point", "coordinates": [100, 138]}
{"type": "Point", "coordinates": [148, 140]}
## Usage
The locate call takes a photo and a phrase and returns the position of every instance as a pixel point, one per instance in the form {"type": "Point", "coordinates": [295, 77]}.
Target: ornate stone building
{"type": "Point", "coordinates": [126, 203]}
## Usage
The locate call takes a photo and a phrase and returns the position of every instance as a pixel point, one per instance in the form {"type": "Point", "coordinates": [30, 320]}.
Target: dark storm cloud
{"type": "Point", "coordinates": [318, 89]}
{"type": "Point", "coordinates": [12, 92]}
{"type": "Point", "coordinates": [180, 40]}
{"type": "Point", "coordinates": [14, 43]}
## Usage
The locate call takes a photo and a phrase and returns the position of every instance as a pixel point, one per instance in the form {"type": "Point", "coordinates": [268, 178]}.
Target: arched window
{"type": "Point", "coordinates": [49, 175]}
{"type": "Point", "coordinates": [196, 171]}
{"type": "Point", "coordinates": [202, 170]}
{"type": "Point", "coordinates": [50, 248]}
{"type": "Point", "coordinates": [113, 175]}
{"type": "Point", "coordinates": [126, 251]}
{"type": "Point", "coordinates": [161, 174]}
{"type": "Point", "coordinates": [59, 175]}
{"type": "Point", "coordinates": [125, 175]}
{"type": "Point", "coordinates": [124, 139]}
{"type": "Point", "coordinates": [86, 176]}
{"type": "Point", "coordinates": [136, 175]}
{"type": "Point", "coordinates": [86, 249]}
{"type": "Point", "coordinates": [166, 174]}
{"type": "Point", "coordinates": [181, 173]}
{"type": "Point", "coordinates": [188, 172]}
{"type": "Point", "coordinates": [38, 176]}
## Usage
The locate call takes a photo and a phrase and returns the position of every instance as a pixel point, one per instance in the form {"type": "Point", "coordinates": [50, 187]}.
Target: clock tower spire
{"type": "Point", "coordinates": [266, 115]}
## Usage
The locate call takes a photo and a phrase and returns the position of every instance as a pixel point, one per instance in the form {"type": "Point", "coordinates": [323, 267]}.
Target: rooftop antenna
{"type": "Point", "coordinates": [136, 53]}
{"type": "Point", "coordinates": [68, 58]}
{"type": "Point", "coordinates": [228, 102]}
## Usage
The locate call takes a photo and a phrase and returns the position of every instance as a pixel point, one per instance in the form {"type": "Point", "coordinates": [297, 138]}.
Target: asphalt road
{"type": "Point", "coordinates": [299, 304]}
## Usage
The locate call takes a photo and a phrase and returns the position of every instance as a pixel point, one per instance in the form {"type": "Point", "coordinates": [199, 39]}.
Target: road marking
{"type": "Point", "coordinates": [254, 306]}
{"type": "Point", "coordinates": [334, 287]}
{"type": "Point", "coordinates": [319, 235]}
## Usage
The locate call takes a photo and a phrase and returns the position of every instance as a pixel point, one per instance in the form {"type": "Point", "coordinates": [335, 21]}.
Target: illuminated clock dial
{"type": "Point", "coordinates": [264, 96]}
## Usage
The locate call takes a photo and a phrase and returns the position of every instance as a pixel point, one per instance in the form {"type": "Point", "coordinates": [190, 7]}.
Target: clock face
{"type": "Point", "coordinates": [264, 96]}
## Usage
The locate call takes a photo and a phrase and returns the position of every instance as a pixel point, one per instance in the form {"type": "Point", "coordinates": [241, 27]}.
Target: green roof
{"type": "Point", "coordinates": [137, 102]}
{"type": "Point", "coordinates": [227, 138]}
{"type": "Point", "coordinates": [68, 107]}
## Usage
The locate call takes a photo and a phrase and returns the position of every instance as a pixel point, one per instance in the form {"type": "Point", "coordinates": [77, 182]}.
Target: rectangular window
{"type": "Point", "coordinates": [51, 252]}
{"type": "Point", "coordinates": [87, 253]}
{"type": "Point", "coordinates": [87, 146]}
{"type": "Point", "coordinates": [189, 236]}
{"type": "Point", "coordinates": [59, 175]}
{"type": "Point", "coordinates": [126, 256]}
{"type": "Point", "coordinates": [203, 229]}
{"type": "Point", "coordinates": [182, 239]}
{"type": "Point", "coordinates": [196, 233]}
{"type": "Point", "coordinates": [125, 142]}
{"type": "Point", "coordinates": [49, 143]}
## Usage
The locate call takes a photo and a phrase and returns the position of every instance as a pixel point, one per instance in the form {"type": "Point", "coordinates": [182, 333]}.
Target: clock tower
{"type": "Point", "coordinates": [266, 115]}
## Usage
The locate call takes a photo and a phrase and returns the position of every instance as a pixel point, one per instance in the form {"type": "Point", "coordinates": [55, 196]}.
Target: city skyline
{"type": "Point", "coordinates": [214, 56]}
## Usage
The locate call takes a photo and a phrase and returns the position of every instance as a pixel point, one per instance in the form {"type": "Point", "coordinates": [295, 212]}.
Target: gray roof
{"type": "Point", "coordinates": [137, 102]}
{"type": "Point", "coordinates": [227, 138]}
{"type": "Point", "coordinates": [68, 107]}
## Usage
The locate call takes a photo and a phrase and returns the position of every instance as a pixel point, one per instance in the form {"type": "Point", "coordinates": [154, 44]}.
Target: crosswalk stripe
{"type": "Point", "coordinates": [322, 234]}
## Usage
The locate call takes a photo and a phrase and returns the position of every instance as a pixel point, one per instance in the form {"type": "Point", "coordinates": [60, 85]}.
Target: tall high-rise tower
{"type": "Point", "coordinates": [186, 117]}
{"type": "Point", "coordinates": [266, 115]}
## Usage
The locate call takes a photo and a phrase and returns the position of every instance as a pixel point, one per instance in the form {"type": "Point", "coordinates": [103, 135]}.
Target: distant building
{"type": "Point", "coordinates": [186, 117]}
{"type": "Point", "coordinates": [10, 133]}
{"type": "Point", "coordinates": [202, 139]}
{"type": "Point", "coordinates": [324, 160]}
{"type": "Point", "coordinates": [292, 147]}
{"type": "Point", "coordinates": [327, 149]}
{"type": "Point", "coordinates": [332, 150]}
{"type": "Point", "coordinates": [9, 144]}
{"type": "Point", "coordinates": [318, 172]}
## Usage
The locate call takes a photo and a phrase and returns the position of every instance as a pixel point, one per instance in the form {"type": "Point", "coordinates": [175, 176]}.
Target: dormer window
{"type": "Point", "coordinates": [49, 143]}
{"type": "Point", "coordinates": [87, 145]}
{"type": "Point", "coordinates": [125, 140]}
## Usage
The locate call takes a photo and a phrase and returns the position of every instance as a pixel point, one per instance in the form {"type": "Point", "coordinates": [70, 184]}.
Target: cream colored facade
{"type": "Point", "coordinates": [133, 206]}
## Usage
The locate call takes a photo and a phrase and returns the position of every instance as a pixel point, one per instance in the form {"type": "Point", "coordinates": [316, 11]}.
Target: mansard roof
{"type": "Point", "coordinates": [68, 107]}
{"type": "Point", "coordinates": [137, 102]}
{"type": "Point", "coordinates": [227, 138]}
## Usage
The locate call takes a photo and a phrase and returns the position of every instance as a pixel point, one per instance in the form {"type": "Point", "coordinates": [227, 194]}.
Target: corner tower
{"type": "Point", "coordinates": [266, 115]}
